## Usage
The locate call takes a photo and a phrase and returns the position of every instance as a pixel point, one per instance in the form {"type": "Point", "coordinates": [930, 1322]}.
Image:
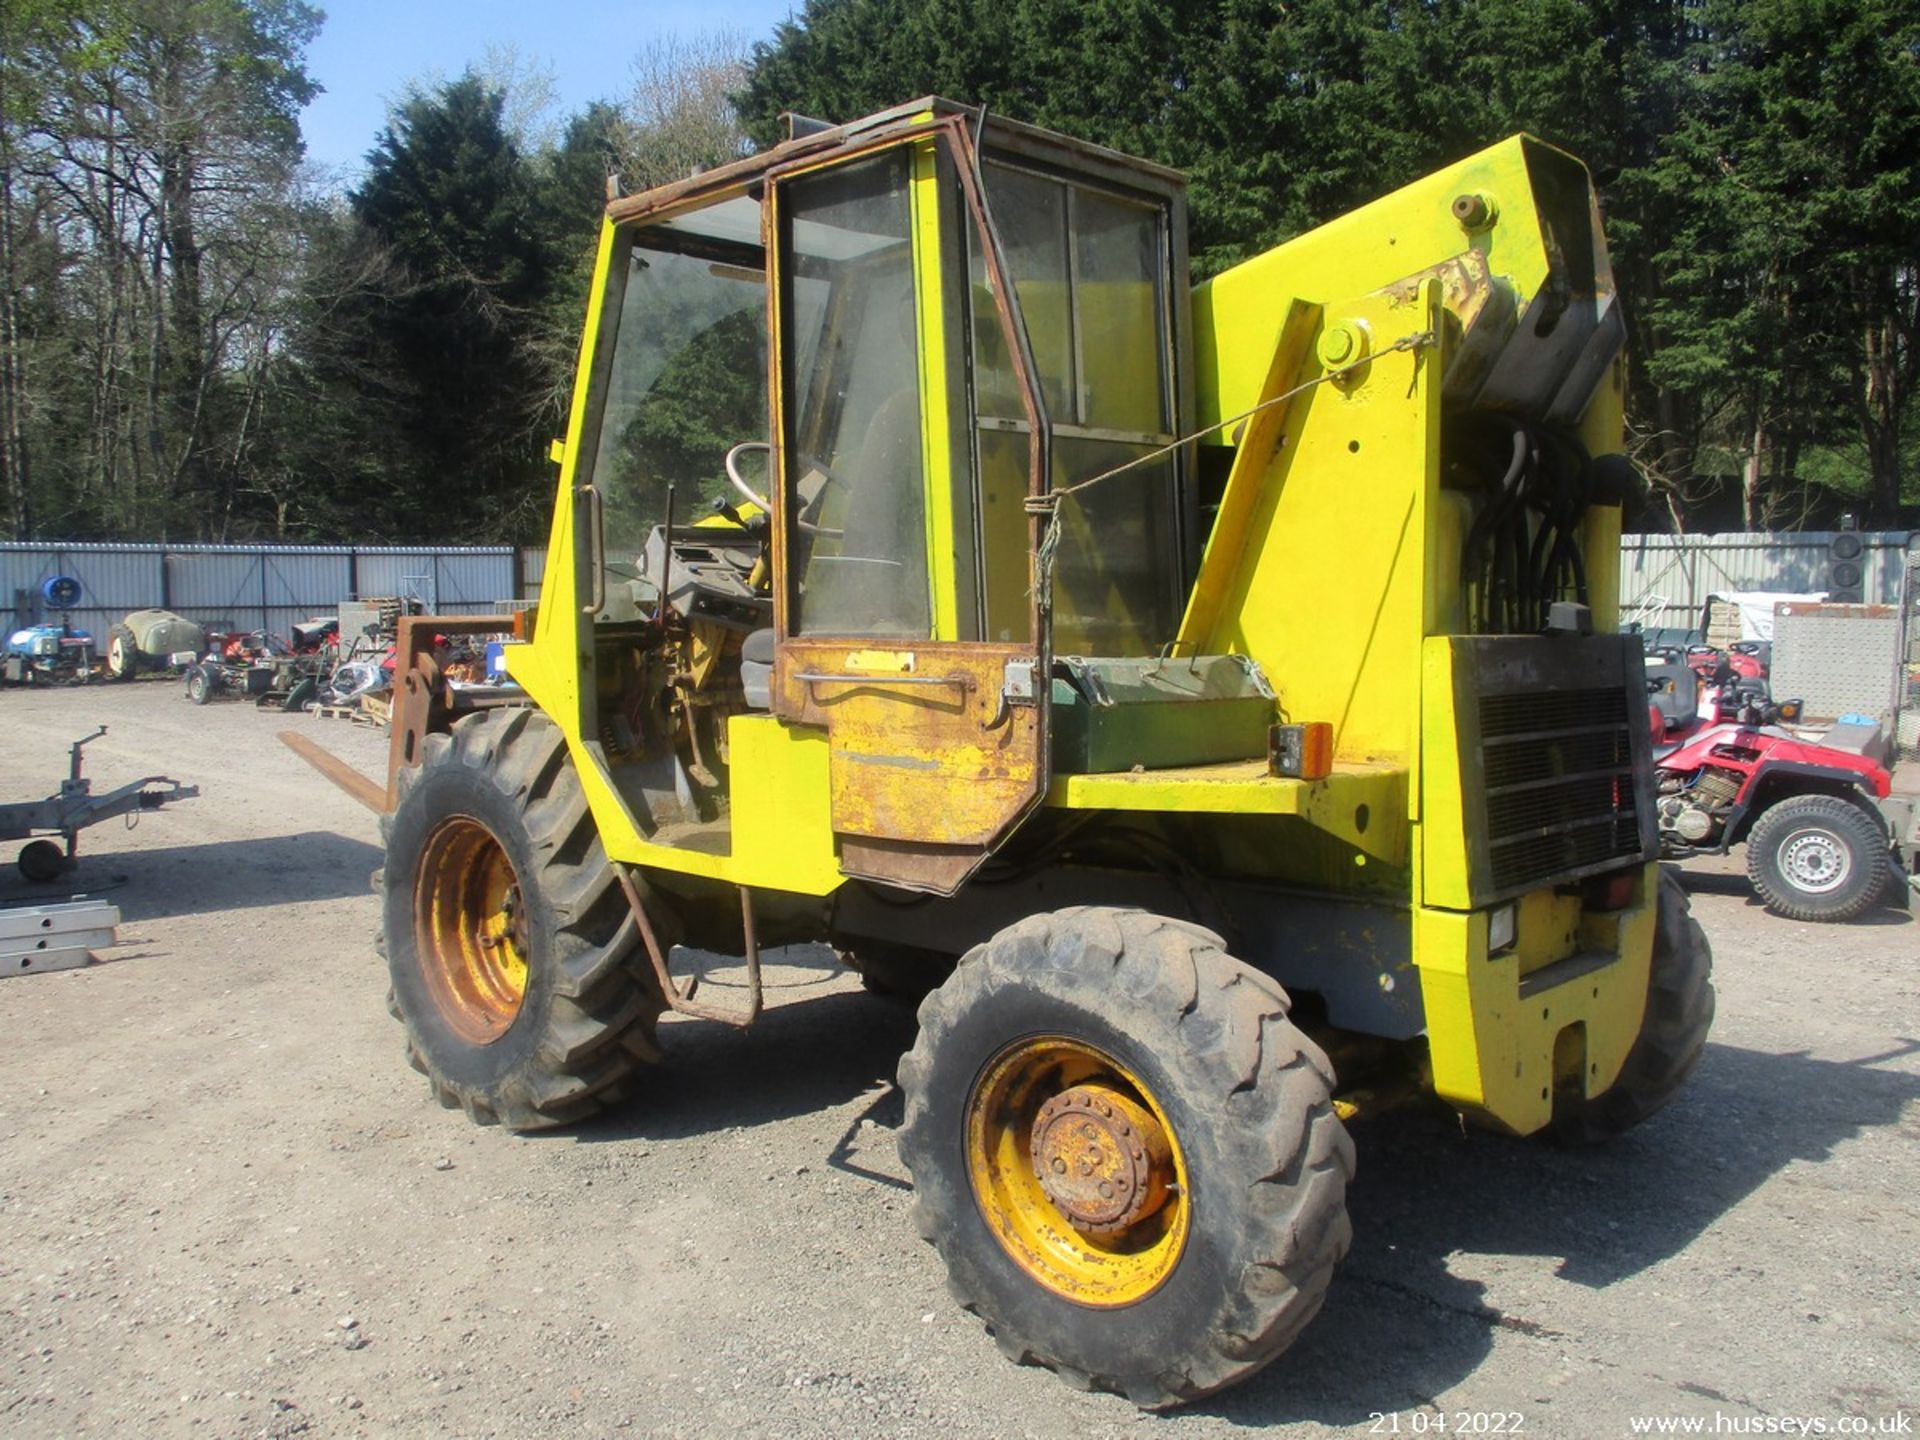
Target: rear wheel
{"type": "Point", "coordinates": [1818, 857]}
{"type": "Point", "coordinates": [1673, 1032]}
{"type": "Point", "coordinates": [507, 937]}
{"type": "Point", "coordinates": [123, 653]}
{"type": "Point", "coordinates": [1125, 1153]}
{"type": "Point", "coordinates": [202, 684]}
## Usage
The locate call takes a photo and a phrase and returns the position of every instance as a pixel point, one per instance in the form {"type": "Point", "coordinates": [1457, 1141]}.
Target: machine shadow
{"type": "Point", "coordinates": [156, 883]}
{"type": "Point", "coordinates": [801, 1057]}
{"type": "Point", "coordinates": [1400, 1328]}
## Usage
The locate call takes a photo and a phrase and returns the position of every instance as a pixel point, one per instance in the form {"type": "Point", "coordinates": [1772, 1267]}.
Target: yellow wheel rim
{"type": "Point", "coordinates": [471, 930]}
{"type": "Point", "coordinates": [1077, 1171]}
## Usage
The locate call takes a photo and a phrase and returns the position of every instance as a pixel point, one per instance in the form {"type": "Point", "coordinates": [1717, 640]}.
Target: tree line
{"type": "Point", "coordinates": [202, 338]}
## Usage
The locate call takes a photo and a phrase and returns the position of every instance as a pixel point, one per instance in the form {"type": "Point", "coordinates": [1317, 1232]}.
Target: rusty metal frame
{"type": "Point", "coordinates": [421, 700]}
{"type": "Point", "coordinates": [679, 1000]}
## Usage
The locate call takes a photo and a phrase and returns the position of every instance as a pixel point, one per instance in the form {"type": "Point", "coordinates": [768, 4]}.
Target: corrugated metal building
{"type": "Point", "coordinates": [249, 587]}
{"type": "Point", "coordinates": [1672, 575]}
{"type": "Point", "coordinates": [1666, 579]}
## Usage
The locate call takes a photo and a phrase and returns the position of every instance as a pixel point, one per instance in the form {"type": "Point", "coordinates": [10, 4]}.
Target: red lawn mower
{"type": "Point", "coordinates": [1820, 845]}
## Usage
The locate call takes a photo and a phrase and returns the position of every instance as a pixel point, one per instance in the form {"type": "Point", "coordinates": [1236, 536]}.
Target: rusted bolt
{"type": "Point", "coordinates": [1475, 212]}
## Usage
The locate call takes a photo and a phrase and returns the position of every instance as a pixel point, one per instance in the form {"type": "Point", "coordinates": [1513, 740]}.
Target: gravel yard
{"type": "Point", "coordinates": [228, 1208]}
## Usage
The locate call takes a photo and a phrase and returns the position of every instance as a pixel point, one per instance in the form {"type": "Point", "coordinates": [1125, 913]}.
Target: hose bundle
{"type": "Point", "coordinates": [1522, 551]}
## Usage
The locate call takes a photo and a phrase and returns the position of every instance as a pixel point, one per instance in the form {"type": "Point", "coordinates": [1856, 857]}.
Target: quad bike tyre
{"type": "Point", "coordinates": [123, 653]}
{"type": "Point", "coordinates": [1673, 1032]}
{"type": "Point", "coordinates": [508, 939]}
{"type": "Point", "coordinates": [1056, 1048]}
{"type": "Point", "coordinates": [1818, 857]}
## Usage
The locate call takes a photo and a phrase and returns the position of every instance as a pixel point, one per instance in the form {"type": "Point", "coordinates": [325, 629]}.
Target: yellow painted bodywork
{"type": "Point", "coordinates": [1332, 564]}
{"type": "Point", "coordinates": [1361, 805]}
{"type": "Point", "coordinates": [945, 507]}
{"type": "Point", "coordinates": [1493, 1031]}
{"type": "Point", "coordinates": [780, 836]}
{"type": "Point", "coordinates": [1235, 315]}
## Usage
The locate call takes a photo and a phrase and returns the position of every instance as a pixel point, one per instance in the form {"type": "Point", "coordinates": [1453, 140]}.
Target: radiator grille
{"type": "Point", "coordinates": [1558, 770]}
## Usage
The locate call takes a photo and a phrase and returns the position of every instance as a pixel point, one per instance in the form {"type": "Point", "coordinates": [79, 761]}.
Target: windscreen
{"type": "Point", "coordinates": [687, 378]}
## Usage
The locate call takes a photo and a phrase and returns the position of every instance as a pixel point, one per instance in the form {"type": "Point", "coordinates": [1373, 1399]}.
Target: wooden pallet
{"type": "Point", "coordinates": [356, 712]}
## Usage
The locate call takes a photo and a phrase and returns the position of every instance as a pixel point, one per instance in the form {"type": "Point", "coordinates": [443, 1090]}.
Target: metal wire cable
{"type": "Point", "coordinates": [1049, 503]}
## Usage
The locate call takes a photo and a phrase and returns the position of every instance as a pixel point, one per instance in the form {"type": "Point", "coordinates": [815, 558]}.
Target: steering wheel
{"type": "Point", "coordinates": [808, 461]}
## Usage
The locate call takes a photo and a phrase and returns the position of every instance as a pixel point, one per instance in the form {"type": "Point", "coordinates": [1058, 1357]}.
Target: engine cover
{"type": "Point", "coordinates": [1683, 819]}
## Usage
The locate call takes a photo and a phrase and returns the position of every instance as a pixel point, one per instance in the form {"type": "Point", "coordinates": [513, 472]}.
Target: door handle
{"type": "Point", "coordinates": [597, 544]}
{"type": "Point", "coordinates": [814, 677]}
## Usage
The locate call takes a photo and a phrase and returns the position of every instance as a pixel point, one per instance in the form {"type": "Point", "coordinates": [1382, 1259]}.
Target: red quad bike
{"type": "Point", "coordinates": [1819, 846]}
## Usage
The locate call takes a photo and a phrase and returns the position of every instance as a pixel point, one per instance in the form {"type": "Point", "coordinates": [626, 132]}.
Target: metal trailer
{"type": "Point", "coordinates": [73, 807]}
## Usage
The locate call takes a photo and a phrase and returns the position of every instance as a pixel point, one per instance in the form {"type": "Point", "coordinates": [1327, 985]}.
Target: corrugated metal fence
{"type": "Point", "coordinates": [1667, 578]}
{"type": "Point", "coordinates": [249, 587]}
{"type": "Point", "coordinates": [1674, 573]}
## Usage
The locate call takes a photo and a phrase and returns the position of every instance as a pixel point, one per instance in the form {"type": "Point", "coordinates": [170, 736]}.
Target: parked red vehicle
{"type": "Point", "coordinates": [1819, 846]}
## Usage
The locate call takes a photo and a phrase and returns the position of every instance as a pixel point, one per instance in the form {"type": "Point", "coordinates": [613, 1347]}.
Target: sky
{"type": "Point", "coordinates": [368, 50]}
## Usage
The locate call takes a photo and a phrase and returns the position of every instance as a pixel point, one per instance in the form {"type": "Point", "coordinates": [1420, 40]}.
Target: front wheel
{"type": "Point", "coordinates": [1818, 857]}
{"type": "Point", "coordinates": [507, 937]}
{"type": "Point", "coordinates": [1125, 1153]}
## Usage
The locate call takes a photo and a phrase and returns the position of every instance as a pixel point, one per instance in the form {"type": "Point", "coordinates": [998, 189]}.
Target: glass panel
{"type": "Point", "coordinates": [858, 496]}
{"type": "Point", "coordinates": [1117, 279]}
{"type": "Point", "coordinates": [1098, 330]}
{"type": "Point", "coordinates": [1113, 580]}
{"type": "Point", "coordinates": [1031, 213]}
{"type": "Point", "coordinates": [1004, 531]}
{"type": "Point", "coordinates": [1113, 589]}
{"type": "Point", "coordinates": [688, 381]}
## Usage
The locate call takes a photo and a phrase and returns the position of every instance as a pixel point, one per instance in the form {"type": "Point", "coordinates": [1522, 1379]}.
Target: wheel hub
{"type": "Point", "coordinates": [472, 930]}
{"type": "Point", "coordinates": [1814, 861]}
{"type": "Point", "coordinates": [1101, 1158]}
{"type": "Point", "coordinates": [1108, 1224]}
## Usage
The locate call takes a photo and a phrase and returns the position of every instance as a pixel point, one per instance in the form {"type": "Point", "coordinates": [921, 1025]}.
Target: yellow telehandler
{"type": "Point", "coordinates": [1206, 696]}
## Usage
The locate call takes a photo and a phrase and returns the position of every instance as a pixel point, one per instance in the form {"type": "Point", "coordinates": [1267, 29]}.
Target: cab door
{"type": "Point", "coordinates": [936, 731]}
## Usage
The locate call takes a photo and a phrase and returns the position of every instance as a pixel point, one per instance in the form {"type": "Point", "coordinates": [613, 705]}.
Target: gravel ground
{"type": "Point", "coordinates": [228, 1208]}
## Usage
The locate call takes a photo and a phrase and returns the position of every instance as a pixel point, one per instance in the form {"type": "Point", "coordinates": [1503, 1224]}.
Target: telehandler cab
{"type": "Point", "coordinates": [1176, 685]}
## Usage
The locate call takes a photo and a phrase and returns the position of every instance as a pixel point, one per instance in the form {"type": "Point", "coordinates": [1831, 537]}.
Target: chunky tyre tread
{"type": "Point", "coordinates": [1868, 838]}
{"type": "Point", "coordinates": [597, 1025]}
{"type": "Point", "coordinates": [1673, 1034]}
{"type": "Point", "coordinates": [128, 647]}
{"type": "Point", "coordinates": [1272, 1107]}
